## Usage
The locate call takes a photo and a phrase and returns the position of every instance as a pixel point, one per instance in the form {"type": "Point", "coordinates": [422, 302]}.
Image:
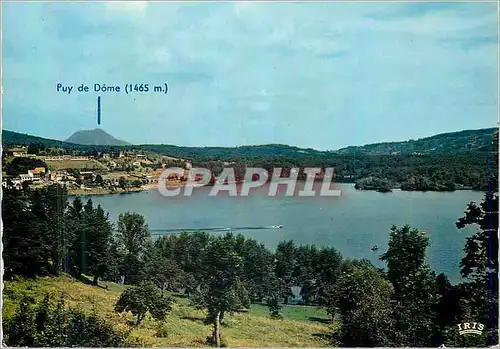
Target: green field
{"type": "Point", "coordinates": [301, 326]}
{"type": "Point", "coordinates": [83, 164]}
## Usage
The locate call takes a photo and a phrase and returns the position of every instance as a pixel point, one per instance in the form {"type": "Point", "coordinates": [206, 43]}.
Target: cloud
{"type": "Point", "coordinates": [295, 69]}
{"type": "Point", "coordinates": [127, 6]}
{"type": "Point", "coordinates": [240, 7]}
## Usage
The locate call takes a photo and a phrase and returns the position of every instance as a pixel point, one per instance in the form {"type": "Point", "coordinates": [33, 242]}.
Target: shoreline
{"type": "Point", "coordinates": [106, 191]}
{"type": "Point", "coordinates": [146, 188]}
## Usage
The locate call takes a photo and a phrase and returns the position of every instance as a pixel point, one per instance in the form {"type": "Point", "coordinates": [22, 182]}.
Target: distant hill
{"type": "Point", "coordinates": [15, 138]}
{"type": "Point", "coordinates": [462, 142]}
{"type": "Point", "coordinates": [450, 143]}
{"type": "Point", "coordinates": [96, 136]}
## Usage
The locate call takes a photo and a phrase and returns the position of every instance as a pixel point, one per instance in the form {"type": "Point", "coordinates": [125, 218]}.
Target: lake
{"type": "Point", "coordinates": [352, 223]}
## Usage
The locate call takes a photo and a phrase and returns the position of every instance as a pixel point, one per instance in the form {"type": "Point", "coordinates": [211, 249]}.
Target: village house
{"type": "Point", "coordinates": [65, 158]}
{"type": "Point", "coordinates": [24, 177]}
{"type": "Point", "coordinates": [38, 172]}
{"type": "Point", "coordinates": [88, 175]}
{"type": "Point", "coordinates": [56, 177]}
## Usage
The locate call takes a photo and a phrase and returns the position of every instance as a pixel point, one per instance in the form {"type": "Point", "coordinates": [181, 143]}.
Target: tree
{"type": "Point", "coordinates": [48, 206]}
{"type": "Point", "coordinates": [35, 230]}
{"type": "Point", "coordinates": [115, 260]}
{"type": "Point", "coordinates": [364, 304]}
{"type": "Point", "coordinates": [405, 254]}
{"type": "Point", "coordinates": [35, 148]}
{"type": "Point", "coordinates": [76, 236]}
{"type": "Point", "coordinates": [327, 266]}
{"type": "Point", "coordinates": [185, 249]}
{"type": "Point", "coordinates": [274, 308]}
{"type": "Point", "coordinates": [22, 165]}
{"type": "Point", "coordinates": [85, 231]}
{"type": "Point", "coordinates": [258, 266]}
{"type": "Point", "coordinates": [133, 230]}
{"type": "Point", "coordinates": [25, 250]}
{"type": "Point", "coordinates": [416, 297]}
{"type": "Point", "coordinates": [142, 299]}
{"type": "Point", "coordinates": [274, 296]}
{"type": "Point", "coordinates": [222, 289]}
{"type": "Point", "coordinates": [134, 238]}
{"type": "Point", "coordinates": [449, 311]}
{"type": "Point", "coordinates": [285, 265]}
{"type": "Point", "coordinates": [99, 180]}
{"type": "Point", "coordinates": [122, 182]}
{"type": "Point", "coordinates": [305, 272]}
{"type": "Point", "coordinates": [99, 241]}
{"type": "Point", "coordinates": [79, 179]}
{"type": "Point", "coordinates": [160, 269]}
{"type": "Point", "coordinates": [480, 263]}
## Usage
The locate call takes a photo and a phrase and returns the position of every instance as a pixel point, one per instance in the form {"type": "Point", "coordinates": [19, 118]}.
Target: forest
{"type": "Point", "coordinates": [447, 162]}
{"type": "Point", "coordinates": [404, 304]}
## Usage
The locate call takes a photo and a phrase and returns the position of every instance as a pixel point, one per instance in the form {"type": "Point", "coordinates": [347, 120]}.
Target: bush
{"type": "Point", "coordinates": [22, 165]}
{"type": "Point", "coordinates": [274, 308]}
{"type": "Point", "coordinates": [52, 324]}
{"type": "Point", "coordinates": [142, 299]}
{"type": "Point", "coordinates": [161, 331]}
{"type": "Point", "coordinates": [211, 342]}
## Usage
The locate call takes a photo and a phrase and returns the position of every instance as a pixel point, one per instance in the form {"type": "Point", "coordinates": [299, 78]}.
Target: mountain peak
{"type": "Point", "coordinates": [96, 136]}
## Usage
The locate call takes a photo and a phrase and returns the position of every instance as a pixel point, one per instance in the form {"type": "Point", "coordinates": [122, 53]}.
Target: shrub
{"type": "Point", "coordinates": [52, 324]}
{"type": "Point", "coordinates": [161, 331]}
{"type": "Point", "coordinates": [142, 299]}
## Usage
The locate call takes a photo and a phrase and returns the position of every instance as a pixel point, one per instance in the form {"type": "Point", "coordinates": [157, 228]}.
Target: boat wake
{"type": "Point", "coordinates": [181, 230]}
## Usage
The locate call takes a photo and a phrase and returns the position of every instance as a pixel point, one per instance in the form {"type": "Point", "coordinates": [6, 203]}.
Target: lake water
{"type": "Point", "coordinates": [352, 223]}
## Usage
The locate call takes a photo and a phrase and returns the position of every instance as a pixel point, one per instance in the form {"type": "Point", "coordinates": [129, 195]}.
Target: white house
{"type": "Point", "coordinates": [26, 177]}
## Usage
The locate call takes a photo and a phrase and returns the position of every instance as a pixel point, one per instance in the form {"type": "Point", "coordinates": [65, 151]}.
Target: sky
{"type": "Point", "coordinates": [316, 75]}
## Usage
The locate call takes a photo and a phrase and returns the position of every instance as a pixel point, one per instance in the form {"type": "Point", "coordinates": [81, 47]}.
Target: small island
{"type": "Point", "coordinates": [374, 183]}
{"type": "Point", "coordinates": [415, 183]}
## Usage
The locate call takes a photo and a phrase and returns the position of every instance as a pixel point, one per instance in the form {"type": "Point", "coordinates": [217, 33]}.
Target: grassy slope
{"type": "Point", "coordinates": [301, 326]}
{"type": "Point", "coordinates": [83, 164]}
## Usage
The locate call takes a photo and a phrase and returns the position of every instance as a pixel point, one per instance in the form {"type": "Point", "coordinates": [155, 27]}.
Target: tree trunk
{"type": "Point", "coordinates": [140, 317]}
{"type": "Point", "coordinates": [96, 280]}
{"type": "Point", "coordinates": [216, 335]}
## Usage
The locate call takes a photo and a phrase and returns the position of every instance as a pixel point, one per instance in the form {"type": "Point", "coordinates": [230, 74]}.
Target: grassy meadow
{"type": "Point", "coordinates": [301, 326]}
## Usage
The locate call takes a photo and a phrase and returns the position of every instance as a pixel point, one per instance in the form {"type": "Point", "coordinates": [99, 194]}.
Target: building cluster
{"type": "Point", "coordinates": [123, 168]}
{"type": "Point", "coordinates": [38, 174]}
